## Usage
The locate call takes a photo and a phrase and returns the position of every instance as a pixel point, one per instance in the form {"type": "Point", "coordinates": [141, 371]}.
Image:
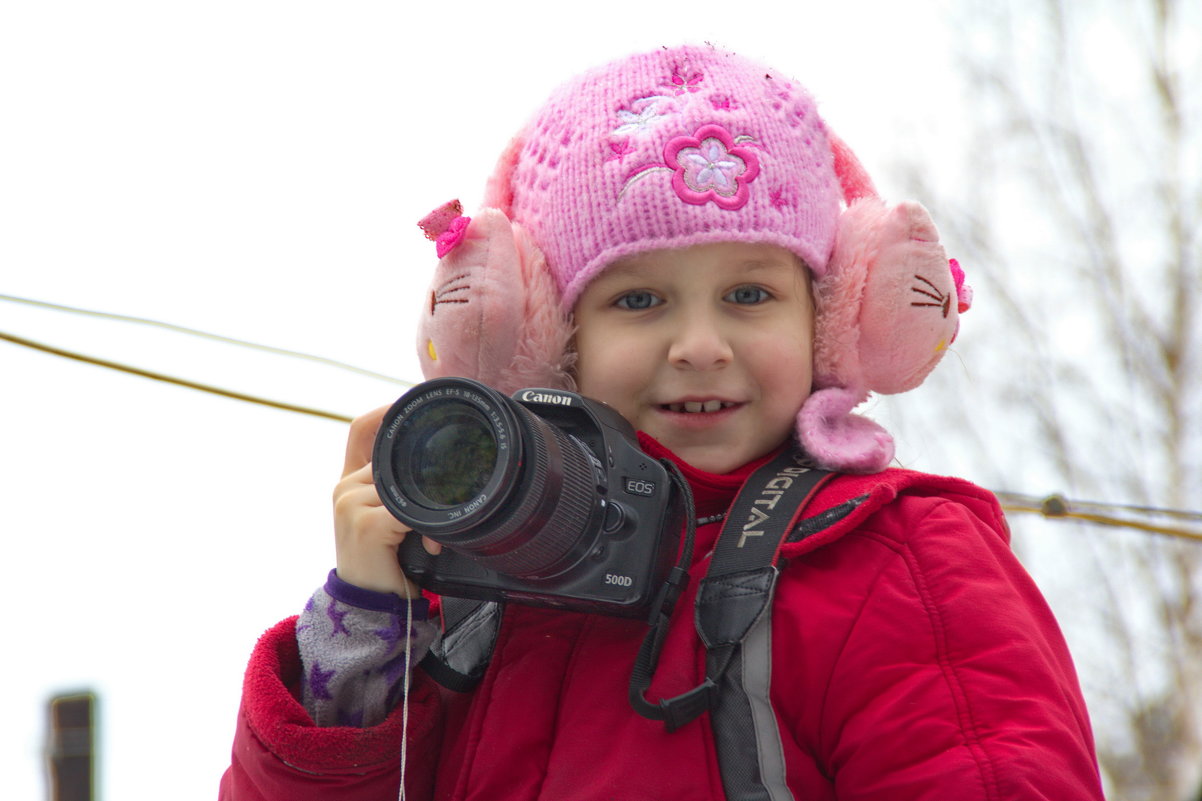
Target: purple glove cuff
{"type": "Point", "coordinates": [360, 598]}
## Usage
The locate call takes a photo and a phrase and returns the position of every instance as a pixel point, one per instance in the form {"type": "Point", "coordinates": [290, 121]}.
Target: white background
{"type": "Point", "coordinates": [256, 169]}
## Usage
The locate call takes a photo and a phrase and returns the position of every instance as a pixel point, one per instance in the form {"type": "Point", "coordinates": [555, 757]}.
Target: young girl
{"type": "Point", "coordinates": [679, 235]}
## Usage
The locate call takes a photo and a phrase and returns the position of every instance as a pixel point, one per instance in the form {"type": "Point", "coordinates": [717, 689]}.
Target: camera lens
{"type": "Point", "coordinates": [484, 476]}
{"type": "Point", "coordinates": [451, 456]}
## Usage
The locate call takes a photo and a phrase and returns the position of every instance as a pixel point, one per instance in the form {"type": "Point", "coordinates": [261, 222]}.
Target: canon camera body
{"type": "Point", "coordinates": [544, 498]}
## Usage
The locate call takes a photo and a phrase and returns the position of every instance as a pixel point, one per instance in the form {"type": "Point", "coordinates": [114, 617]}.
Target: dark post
{"type": "Point", "coordinates": [71, 747]}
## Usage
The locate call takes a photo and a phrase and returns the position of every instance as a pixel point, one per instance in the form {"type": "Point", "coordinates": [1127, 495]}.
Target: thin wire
{"type": "Point", "coordinates": [405, 689]}
{"type": "Point", "coordinates": [242, 343]}
{"type": "Point", "coordinates": [1053, 507]}
{"type": "Point", "coordinates": [182, 382]}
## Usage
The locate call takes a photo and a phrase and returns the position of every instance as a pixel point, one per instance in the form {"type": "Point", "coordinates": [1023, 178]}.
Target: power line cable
{"type": "Point", "coordinates": [1055, 507]}
{"type": "Point", "coordinates": [242, 343]}
{"type": "Point", "coordinates": [182, 382]}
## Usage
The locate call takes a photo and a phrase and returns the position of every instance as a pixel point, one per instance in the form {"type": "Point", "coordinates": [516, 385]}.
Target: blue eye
{"type": "Point", "coordinates": [749, 295]}
{"type": "Point", "coordinates": [637, 301]}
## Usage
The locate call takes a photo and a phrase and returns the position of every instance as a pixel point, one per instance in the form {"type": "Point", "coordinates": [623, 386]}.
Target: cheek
{"type": "Point", "coordinates": [786, 358]}
{"type": "Point", "coordinates": [599, 367]}
{"type": "Point", "coordinates": [612, 387]}
{"type": "Point", "coordinates": [784, 371]}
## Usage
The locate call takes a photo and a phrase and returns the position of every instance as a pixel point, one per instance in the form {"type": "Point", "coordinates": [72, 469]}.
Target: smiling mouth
{"type": "Point", "coordinates": [697, 407]}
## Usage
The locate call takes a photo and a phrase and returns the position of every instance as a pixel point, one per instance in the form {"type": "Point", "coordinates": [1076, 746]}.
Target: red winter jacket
{"type": "Point", "coordinates": [913, 658]}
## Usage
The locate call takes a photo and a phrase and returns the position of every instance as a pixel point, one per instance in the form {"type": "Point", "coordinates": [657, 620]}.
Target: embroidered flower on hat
{"type": "Point", "coordinates": [709, 166]}
{"type": "Point", "coordinates": [642, 115]}
{"type": "Point", "coordinates": [724, 102]}
{"type": "Point", "coordinates": [620, 150]}
{"type": "Point", "coordinates": [685, 80]}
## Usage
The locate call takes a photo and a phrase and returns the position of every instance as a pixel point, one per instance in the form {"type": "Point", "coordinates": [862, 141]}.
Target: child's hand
{"type": "Point", "coordinates": [366, 535]}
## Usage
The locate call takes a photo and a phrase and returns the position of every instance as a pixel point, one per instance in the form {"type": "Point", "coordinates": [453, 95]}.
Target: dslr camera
{"type": "Point", "coordinates": [542, 498]}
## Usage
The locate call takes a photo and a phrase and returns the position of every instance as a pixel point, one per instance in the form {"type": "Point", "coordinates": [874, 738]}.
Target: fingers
{"type": "Point", "coordinates": [357, 491]}
{"type": "Point", "coordinates": [366, 534]}
{"type": "Point", "coordinates": [366, 537]}
{"type": "Point", "coordinates": [355, 479]}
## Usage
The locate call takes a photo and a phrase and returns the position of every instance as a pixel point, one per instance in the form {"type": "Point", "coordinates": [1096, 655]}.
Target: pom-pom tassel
{"type": "Point", "coordinates": [838, 439]}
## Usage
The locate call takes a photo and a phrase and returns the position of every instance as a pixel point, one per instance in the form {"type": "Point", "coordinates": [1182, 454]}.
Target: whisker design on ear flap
{"type": "Point", "coordinates": [871, 334]}
{"type": "Point", "coordinates": [494, 313]}
{"type": "Point", "coordinates": [453, 286]}
{"type": "Point", "coordinates": [941, 300]}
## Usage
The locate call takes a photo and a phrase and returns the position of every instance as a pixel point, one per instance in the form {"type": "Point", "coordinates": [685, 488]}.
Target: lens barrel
{"type": "Point", "coordinates": [479, 473]}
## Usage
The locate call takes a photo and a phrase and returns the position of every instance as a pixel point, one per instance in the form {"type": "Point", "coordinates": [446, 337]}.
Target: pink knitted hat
{"type": "Point", "coordinates": [679, 147]}
{"type": "Point", "coordinates": [669, 149]}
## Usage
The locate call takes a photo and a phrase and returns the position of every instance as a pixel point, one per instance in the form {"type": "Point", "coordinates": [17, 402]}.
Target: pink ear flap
{"type": "Point", "coordinates": [910, 313]}
{"type": "Point", "coordinates": [886, 310]}
{"type": "Point", "coordinates": [493, 312]}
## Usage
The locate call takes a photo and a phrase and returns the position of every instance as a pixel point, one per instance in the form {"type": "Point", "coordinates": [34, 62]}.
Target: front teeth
{"type": "Point", "coordinates": [698, 406]}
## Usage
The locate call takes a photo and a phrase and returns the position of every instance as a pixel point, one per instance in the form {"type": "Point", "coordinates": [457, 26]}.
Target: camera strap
{"type": "Point", "coordinates": [732, 616]}
{"type": "Point", "coordinates": [733, 619]}
{"type": "Point", "coordinates": [457, 659]}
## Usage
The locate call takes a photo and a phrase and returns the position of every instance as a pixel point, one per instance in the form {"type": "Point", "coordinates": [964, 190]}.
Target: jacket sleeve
{"type": "Point", "coordinates": [355, 648]}
{"type": "Point", "coordinates": [951, 678]}
{"type": "Point", "coordinates": [279, 754]}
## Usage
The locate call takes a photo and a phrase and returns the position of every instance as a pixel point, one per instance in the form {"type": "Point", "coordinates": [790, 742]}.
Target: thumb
{"type": "Point", "coordinates": [360, 440]}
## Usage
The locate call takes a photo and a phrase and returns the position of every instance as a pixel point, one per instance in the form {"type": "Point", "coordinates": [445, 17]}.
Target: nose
{"type": "Point", "coordinates": [699, 343]}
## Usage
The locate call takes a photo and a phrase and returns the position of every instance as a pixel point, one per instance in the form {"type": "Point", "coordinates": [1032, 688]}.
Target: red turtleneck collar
{"type": "Point", "coordinates": [712, 492]}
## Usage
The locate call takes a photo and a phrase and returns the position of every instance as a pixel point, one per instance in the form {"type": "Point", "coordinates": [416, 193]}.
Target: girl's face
{"type": "Point", "coordinates": [707, 348]}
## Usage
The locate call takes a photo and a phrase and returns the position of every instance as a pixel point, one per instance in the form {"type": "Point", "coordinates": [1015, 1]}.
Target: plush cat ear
{"type": "Point", "coordinates": [886, 310]}
{"type": "Point", "coordinates": [493, 312]}
{"type": "Point", "coordinates": [888, 307]}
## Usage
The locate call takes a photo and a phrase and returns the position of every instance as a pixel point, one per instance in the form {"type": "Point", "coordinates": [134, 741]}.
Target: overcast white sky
{"type": "Point", "coordinates": [255, 169]}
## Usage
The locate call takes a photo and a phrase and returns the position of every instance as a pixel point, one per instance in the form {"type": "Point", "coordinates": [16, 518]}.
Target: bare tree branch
{"type": "Point", "coordinates": [1081, 231]}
